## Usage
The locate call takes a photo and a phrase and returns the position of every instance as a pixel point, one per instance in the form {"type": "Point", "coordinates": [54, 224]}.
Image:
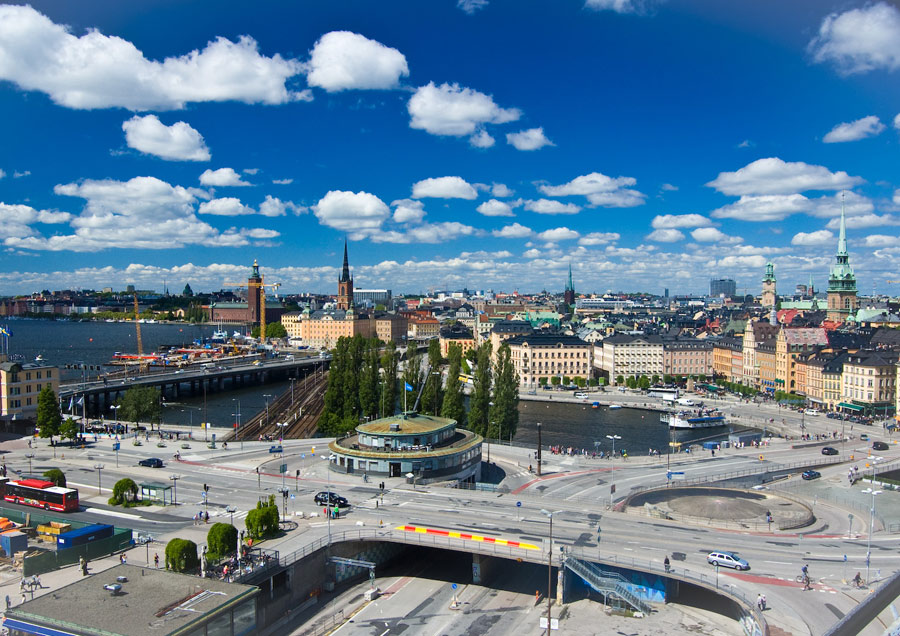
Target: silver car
{"type": "Point", "coordinates": [728, 560]}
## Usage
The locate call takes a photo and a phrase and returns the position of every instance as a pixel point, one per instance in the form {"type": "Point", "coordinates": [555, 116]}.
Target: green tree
{"type": "Point", "coordinates": [350, 370]}
{"type": "Point", "coordinates": [466, 367]}
{"type": "Point", "coordinates": [141, 404]}
{"type": "Point", "coordinates": [262, 521]}
{"type": "Point", "coordinates": [567, 380]}
{"type": "Point", "coordinates": [555, 380]}
{"type": "Point", "coordinates": [542, 381]}
{"type": "Point", "coordinates": [273, 330]}
{"type": "Point", "coordinates": [124, 491]}
{"type": "Point", "coordinates": [453, 406]}
{"type": "Point", "coordinates": [221, 540]}
{"type": "Point", "coordinates": [57, 476]}
{"type": "Point", "coordinates": [48, 415]}
{"type": "Point", "coordinates": [631, 382]}
{"type": "Point", "coordinates": [620, 380]}
{"type": "Point", "coordinates": [479, 402]}
{"type": "Point", "coordinates": [593, 382]}
{"type": "Point", "coordinates": [667, 379]}
{"type": "Point", "coordinates": [333, 410]}
{"type": "Point", "coordinates": [389, 361]}
{"type": "Point", "coordinates": [69, 429]}
{"type": "Point", "coordinates": [431, 394]}
{"type": "Point", "coordinates": [579, 381]}
{"type": "Point", "coordinates": [504, 413]}
{"type": "Point", "coordinates": [368, 380]}
{"type": "Point", "coordinates": [412, 375]}
{"type": "Point", "coordinates": [181, 555]}
{"type": "Point", "coordinates": [654, 380]}
{"type": "Point", "coordinates": [644, 382]}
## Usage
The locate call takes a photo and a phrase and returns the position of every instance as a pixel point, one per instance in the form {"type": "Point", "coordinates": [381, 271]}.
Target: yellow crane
{"type": "Point", "coordinates": [140, 342]}
{"type": "Point", "coordinates": [893, 281]}
{"type": "Point", "coordinates": [261, 285]}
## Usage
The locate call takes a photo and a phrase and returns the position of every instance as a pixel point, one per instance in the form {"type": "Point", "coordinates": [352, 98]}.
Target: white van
{"type": "Point", "coordinates": [581, 396]}
{"type": "Point", "coordinates": [685, 401]}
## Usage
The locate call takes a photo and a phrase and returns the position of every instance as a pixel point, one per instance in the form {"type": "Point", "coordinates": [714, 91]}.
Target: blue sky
{"type": "Point", "coordinates": [479, 143]}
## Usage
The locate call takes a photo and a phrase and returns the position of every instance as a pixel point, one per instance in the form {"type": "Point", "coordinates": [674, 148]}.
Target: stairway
{"type": "Point", "coordinates": [606, 583]}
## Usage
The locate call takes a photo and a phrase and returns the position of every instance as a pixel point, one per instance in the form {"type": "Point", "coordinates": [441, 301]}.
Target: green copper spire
{"type": "Point", "coordinates": [842, 236]}
{"type": "Point", "coordinates": [570, 286]}
{"type": "Point", "coordinates": [842, 278]}
{"type": "Point", "coordinates": [770, 273]}
{"type": "Point", "coordinates": [254, 273]}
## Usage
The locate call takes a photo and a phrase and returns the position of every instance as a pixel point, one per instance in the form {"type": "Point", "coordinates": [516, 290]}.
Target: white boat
{"type": "Point", "coordinates": [701, 418]}
{"type": "Point", "coordinates": [615, 407]}
{"type": "Point", "coordinates": [39, 358]}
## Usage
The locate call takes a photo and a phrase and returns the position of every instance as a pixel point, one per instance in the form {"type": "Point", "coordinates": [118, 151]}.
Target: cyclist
{"type": "Point", "coordinates": [857, 580]}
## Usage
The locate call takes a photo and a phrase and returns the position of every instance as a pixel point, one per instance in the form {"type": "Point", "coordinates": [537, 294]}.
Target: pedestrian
{"type": "Point", "coordinates": [24, 598]}
{"type": "Point", "coordinates": [206, 517]}
{"type": "Point", "coordinates": [763, 598]}
{"type": "Point", "coordinates": [7, 601]}
{"type": "Point", "coordinates": [37, 581]}
{"type": "Point", "coordinates": [666, 563]}
{"type": "Point", "coordinates": [156, 560]}
{"type": "Point", "coordinates": [337, 512]}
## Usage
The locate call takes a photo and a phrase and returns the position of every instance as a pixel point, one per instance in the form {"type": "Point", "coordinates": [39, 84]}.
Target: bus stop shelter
{"type": "Point", "coordinates": [157, 493]}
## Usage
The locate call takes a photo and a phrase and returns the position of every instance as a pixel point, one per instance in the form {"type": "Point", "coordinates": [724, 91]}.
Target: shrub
{"type": "Point", "coordinates": [221, 540]}
{"type": "Point", "coordinates": [56, 476]}
{"type": "Point", "coordinates": [263, 520]}
{"type": "Point", "coordinates": [125, 491]}
{"type": "Point", "coordinates": [181, 555]}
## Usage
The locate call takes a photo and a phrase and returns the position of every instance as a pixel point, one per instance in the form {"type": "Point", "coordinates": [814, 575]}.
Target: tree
{"type": "Point", "coordinates": [413, 375]}
{"type": "Point", "coordinates": [555, 380]}
{"type": "Point", "coordinates": [431, 394]}
{"type": "Point", "coordinates": [631, 382]}
{"type": "Point", "coordinates": [69, 429]}
{"type": "Point", "coordinates": [262, 521]}
{"type": "Point", "coordinates": [333, 411]}
{"type": "Point", "coordinates": [353, 353]}
{"type": "Point", "coordinates": [505, 411]}
{"type": "Point", "coordinates": [368, 380]}
{"type": "Point", "coordinates": [667, 379]}
{"type": "Point", "coordinates": [620, 380]}
{"type": "Point", "coordinates": [125, 490]}
{"type": "Point", "coordinates": [579, 381]}
{"type": "Point", "coordinates": [644, 382]}
{"type": "Point", "coordinates": [57, 476]}
{"type": "Point", "coordinates": [593, 382]}
{"type": "Point", "coordinates": [181, 555]}
{"type": "Point", "coordinates": [542, 381]}
{"type": "Point", "coordinates": [48, 415]}
{"type": "Point", "coordinates": [141, 404]}
{"type": "Point", "coordinates": [479, 403]}
{"type": "Point", "coordinates": [654, 379]}
{"type": "Point", "coordinates": [452, 406]}
{"type": "Point", "coordinates": [389, 379]}
{"type": "Point", "coordinates": [273, 330]}
{"type": "Point", "coordinates": [221, 540]}
{"type": "Point", "coordinates": [567, 380]}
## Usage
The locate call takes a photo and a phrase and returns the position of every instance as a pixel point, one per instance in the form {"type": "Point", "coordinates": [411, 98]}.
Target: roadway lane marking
{"type": "Point", "coordinates": [779, 562]}
{"type": "Point", "coordinates": [112, 513]}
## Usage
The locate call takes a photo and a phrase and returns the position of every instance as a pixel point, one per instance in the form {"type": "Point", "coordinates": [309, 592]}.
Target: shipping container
{"type": "Point", "coordinates": [83, 535]}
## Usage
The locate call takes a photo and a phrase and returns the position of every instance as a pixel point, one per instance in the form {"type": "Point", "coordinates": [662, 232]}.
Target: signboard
{"type": "Point", "coordinates": [554, 623]}
{"type": "Point", "coordinates": [518, 504]}
{"type": "Point", "coordinates": [116, 446]}
{"type": "Point", "coordinates": [282, 468]}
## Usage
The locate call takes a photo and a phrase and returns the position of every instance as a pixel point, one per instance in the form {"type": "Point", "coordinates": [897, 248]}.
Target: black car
{"type": "Point", "coordinates": [151, 462]}
{"type": "Point", "coordinates": [330, 498]}
{"type": "Point", "coordinates": [880, 446]}
{"type": "Point", "coordinates": [828, 450]}
{"type": "Point", "coordinates": [810, 474]}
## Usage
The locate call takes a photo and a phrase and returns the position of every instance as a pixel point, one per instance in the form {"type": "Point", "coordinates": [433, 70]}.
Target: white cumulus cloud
{"type": "Point", "coordinates": [342, 60]}
{"type": "Point", "coordinates": [549, 206]}
{"type": "Point", "coordinates": [493, 207]}
{"type": "Point", "coordinates": [819, 237]}
{"type": "Point", "coordinates": [558, 234]}
{"type": "Point", "coordinates": [444, 188]}
{"type": "Point", "coordinates": [18, 219]}
{"type": "Point", "coordinates": [881, 240]}
{"type": "Point", "coordinates": [100, 71]}
{"type": "Point", "coordinates": [663, 221]}
{"type": "Point", "coordinates": [471, 6]}
{"type": "Point", "coordinates": [600, 190]}
{"type": "Point", "coordinates": [713, 235]}
{"type": "Point", "coordinates": [531, 139]}
{"type": "Point", "coordinates": [855, 130]}
{"type": "Point", "coordinates": [515, 230]}
{"type": "Point", "coordinates": [860, 40]}
{"type": "Point", "coordinates": [665, 236]}
{"type": "Point", "coordinates": [222, 177]}
{"type": "Point", "coordinates": [500, 190]}
{"type": "Point", "coordinates": [450, 109]}
{"type": "Point", "coordinates": [764, 208]}
{"type": "Point", "coordinates": [864, 221]}
{"type": "Point", "coordinates": [599, 238]}
{"type": "Point", "coordinates": [408, 211]}
{"type": "Point", "coordinates": [358, 213]}
{"type": "Point", "coordinates": [225, 206]}
{"type": "Point", "coordinates": [273, 206]}
{"type": "Point", "coordinates": [178, 142]}
{"type": "Point", "coordinates": [481, 139]}
{"type": "Point", "coordinates": [775, 176]}
{"type": "Point", "coordinates": [619, 6]}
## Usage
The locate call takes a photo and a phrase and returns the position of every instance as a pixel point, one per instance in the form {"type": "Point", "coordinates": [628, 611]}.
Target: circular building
{"type": "Point", "coordinates": [429, 447]}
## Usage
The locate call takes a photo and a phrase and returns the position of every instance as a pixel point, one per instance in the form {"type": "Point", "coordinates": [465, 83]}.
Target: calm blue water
{"type": "Point", "coordinates": [61, 343]}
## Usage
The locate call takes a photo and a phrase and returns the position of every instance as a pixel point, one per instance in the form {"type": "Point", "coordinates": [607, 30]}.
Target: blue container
{"type": "Point", "coordinates": [12, 542]}
{"type": "Point", "coordinates": [83, 535]}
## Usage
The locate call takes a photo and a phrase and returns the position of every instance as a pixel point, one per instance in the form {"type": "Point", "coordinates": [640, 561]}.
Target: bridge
{"type": "Point", "coordinates": [197, 379]}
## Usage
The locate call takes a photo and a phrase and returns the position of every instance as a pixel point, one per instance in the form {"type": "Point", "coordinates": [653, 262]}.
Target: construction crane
{"type": "Point", "coordinates": [140, 342]}
{"type": "Point", "coordinates": [892, 281]}
{"type": "Point", "coordinates": [261, 285]}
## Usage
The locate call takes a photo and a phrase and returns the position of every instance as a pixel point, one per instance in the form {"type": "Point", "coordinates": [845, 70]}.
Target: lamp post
{"type": "Point", "coordinates": [612, 473]}
{"type": "Point", "coordinates": [437, 389]}
{"type": "Point", "coordinates": [30, 456]}
{"type": "Point", "coordinates": [328, 504]}
{"type": "Point", "coordinates": [231, 510]}
{"type": "Point", "coordinates": [292, 391]}
{"type": "Point", "coordinates": [874, 493]}
{"type": "Point", "coordinates": [267, 396]}
{"type": "Point", "coordinates": [539, 450]}
{"type": "Point", "coordinates": [238, 421]}
{"type": "Point", "coordinates": [99, 469]}
{"type": "Point", "coordinates": [174, 479]}
{"type": "Point", "coordinates": [115, 409]}
{"type": "Point", "coordinates": [549, 514]}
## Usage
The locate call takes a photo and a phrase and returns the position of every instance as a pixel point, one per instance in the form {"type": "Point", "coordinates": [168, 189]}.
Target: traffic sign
{"type": "Point", "coordinates": [518, 504]}
{"type": "Point", "coordinates": [282, 468]}
{"type": "Point", "coordinates": [293, 496]}
{"type": "Point", "coordinates": [115, 446]}
{"type": "Point", "coordinates": [453, 585]}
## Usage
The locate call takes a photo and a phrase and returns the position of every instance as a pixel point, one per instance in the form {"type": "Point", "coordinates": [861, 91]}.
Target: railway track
{"type": "Point", "coordinates": [300, 412]}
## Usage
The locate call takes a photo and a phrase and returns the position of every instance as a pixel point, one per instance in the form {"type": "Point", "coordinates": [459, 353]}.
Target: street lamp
{"type": "Point", "coordinates": [539, 450]}
{"type": "Point", "coordinates": [328, 504]}
{"type": "Point", "coordinates": [174, 479]}
{"type": "Point", "coordinates": [549, 514]}
{"type": "Point", "coordinates": [874, 493]}
{"type": "Point", "coordinates": [30, 456]}
{"type": "Point", "coordinates": [99, 468]}
{"type": "Point", "coordinates": [231, 510]}
{"type": "Point", "coordinates": [267, 396]}
{"type": "Point", "coordinates": [238, 415]}
{"type": "Point", "coordinates": [115, 409]}
{"type": "Point", "coordinates": [612, 472]}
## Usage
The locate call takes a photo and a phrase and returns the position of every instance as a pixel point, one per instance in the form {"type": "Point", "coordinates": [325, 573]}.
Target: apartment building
{"type": "Point", "coordinates": [20, 385]}
{"type": "Point", "coordinates": [869, 382]}
{"type": "Point", "coordinates": [537, 356]}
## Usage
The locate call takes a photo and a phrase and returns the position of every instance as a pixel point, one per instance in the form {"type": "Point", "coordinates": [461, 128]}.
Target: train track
{"type": "Point", "coordinates": [300, 412]}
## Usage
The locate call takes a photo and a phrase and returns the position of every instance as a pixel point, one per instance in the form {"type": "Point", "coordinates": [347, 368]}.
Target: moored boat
{"type": "Point", "coordinates": [701, 418]}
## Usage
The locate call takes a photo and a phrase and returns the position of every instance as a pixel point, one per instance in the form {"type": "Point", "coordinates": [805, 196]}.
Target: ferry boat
{"type": "Point", "coordinates": [701, 418]}
{"type": "Point", "coordinates": [615, 407]}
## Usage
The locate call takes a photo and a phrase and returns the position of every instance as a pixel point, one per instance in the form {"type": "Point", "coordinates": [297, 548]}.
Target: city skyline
{"type": "Point", "coordinates": [649, 144]}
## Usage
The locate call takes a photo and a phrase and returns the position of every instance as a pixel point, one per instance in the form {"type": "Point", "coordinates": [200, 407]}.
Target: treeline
{"type": "Point", "coordinates": [363, 384]}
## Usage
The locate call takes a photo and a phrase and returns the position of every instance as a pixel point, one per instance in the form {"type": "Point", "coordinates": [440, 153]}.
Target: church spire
{"type": "Point", "coordinates": [570, 285]}
{"type": "Point", "coordinates": [842, 236]}
{"type": "Point", "coordinates": [345, 271]}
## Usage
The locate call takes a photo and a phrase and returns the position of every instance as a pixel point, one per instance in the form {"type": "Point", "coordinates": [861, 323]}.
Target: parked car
{"type": "Point", "coordinates": [880, 446]}
{"type": "Point", "coordinates": [864, 437]}
{"type": "Point", "coordinates": [811, 412]}
{"type": "Point", "coordinates": [828, 450]}
{"type": "Point", "coordinates": [728, 560]}
{"type": "Point", "coordinates": [330, 498]}
{"type": "Point", "coordinates": [151, 462]}
{"type": "Point", "coordinates": [810, 474]}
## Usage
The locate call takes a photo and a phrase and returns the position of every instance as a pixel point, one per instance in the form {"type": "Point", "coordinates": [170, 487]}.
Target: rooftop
{"type": "Point", "coordinates": [409, 424]}
{"type": "Point", "coordinates": [154, 601]}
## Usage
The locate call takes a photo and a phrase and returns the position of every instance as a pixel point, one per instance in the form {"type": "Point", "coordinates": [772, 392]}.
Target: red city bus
{"type": "Point", "coordinates": [41, 494]}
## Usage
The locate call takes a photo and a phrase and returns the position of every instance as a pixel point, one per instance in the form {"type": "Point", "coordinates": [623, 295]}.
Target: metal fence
{"type": "Point", "coordinates": [53, 560]}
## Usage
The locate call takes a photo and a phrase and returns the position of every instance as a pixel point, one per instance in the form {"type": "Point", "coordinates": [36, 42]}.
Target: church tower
{"type": "Point", "coordinates": [769, 297]}
{"type": "Point", "coordinates": [254, 293]}
{"type": "Point", "coordinates": [345, 284]}
{"type": "Point", "coordinates": [842, 301]}
{"type": "Point", "coordinates": [569, 293]}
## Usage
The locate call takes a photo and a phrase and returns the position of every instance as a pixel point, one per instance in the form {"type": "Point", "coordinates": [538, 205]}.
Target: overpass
{"type": "Point", "coordinates": [99, 394]}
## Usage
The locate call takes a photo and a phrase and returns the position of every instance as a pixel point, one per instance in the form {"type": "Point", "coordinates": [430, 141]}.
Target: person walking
{"type": "Point", "coordinates": [666, 563]}
{"type": "Point", "coordinates": [156, 560]}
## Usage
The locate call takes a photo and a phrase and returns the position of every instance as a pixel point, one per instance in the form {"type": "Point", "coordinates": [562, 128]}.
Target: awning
{"type": "Point", "coordinates": [815, 400]}
{"type": "Point", "coordinates": [852, 407]}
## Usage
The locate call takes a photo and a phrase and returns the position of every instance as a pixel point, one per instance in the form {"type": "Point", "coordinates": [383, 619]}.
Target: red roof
{"type": "Point", "coordinates": [35, 483]}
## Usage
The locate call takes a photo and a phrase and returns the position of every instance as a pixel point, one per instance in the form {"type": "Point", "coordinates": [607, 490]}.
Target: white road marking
{"type": "Point", "coordinates": [112, 513]}
{"type": "Point", "coordinates": [779, 562]}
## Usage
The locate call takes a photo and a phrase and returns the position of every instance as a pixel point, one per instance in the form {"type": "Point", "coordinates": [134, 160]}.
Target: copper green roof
{"type": "Point", "coordinates": [412, 424]}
